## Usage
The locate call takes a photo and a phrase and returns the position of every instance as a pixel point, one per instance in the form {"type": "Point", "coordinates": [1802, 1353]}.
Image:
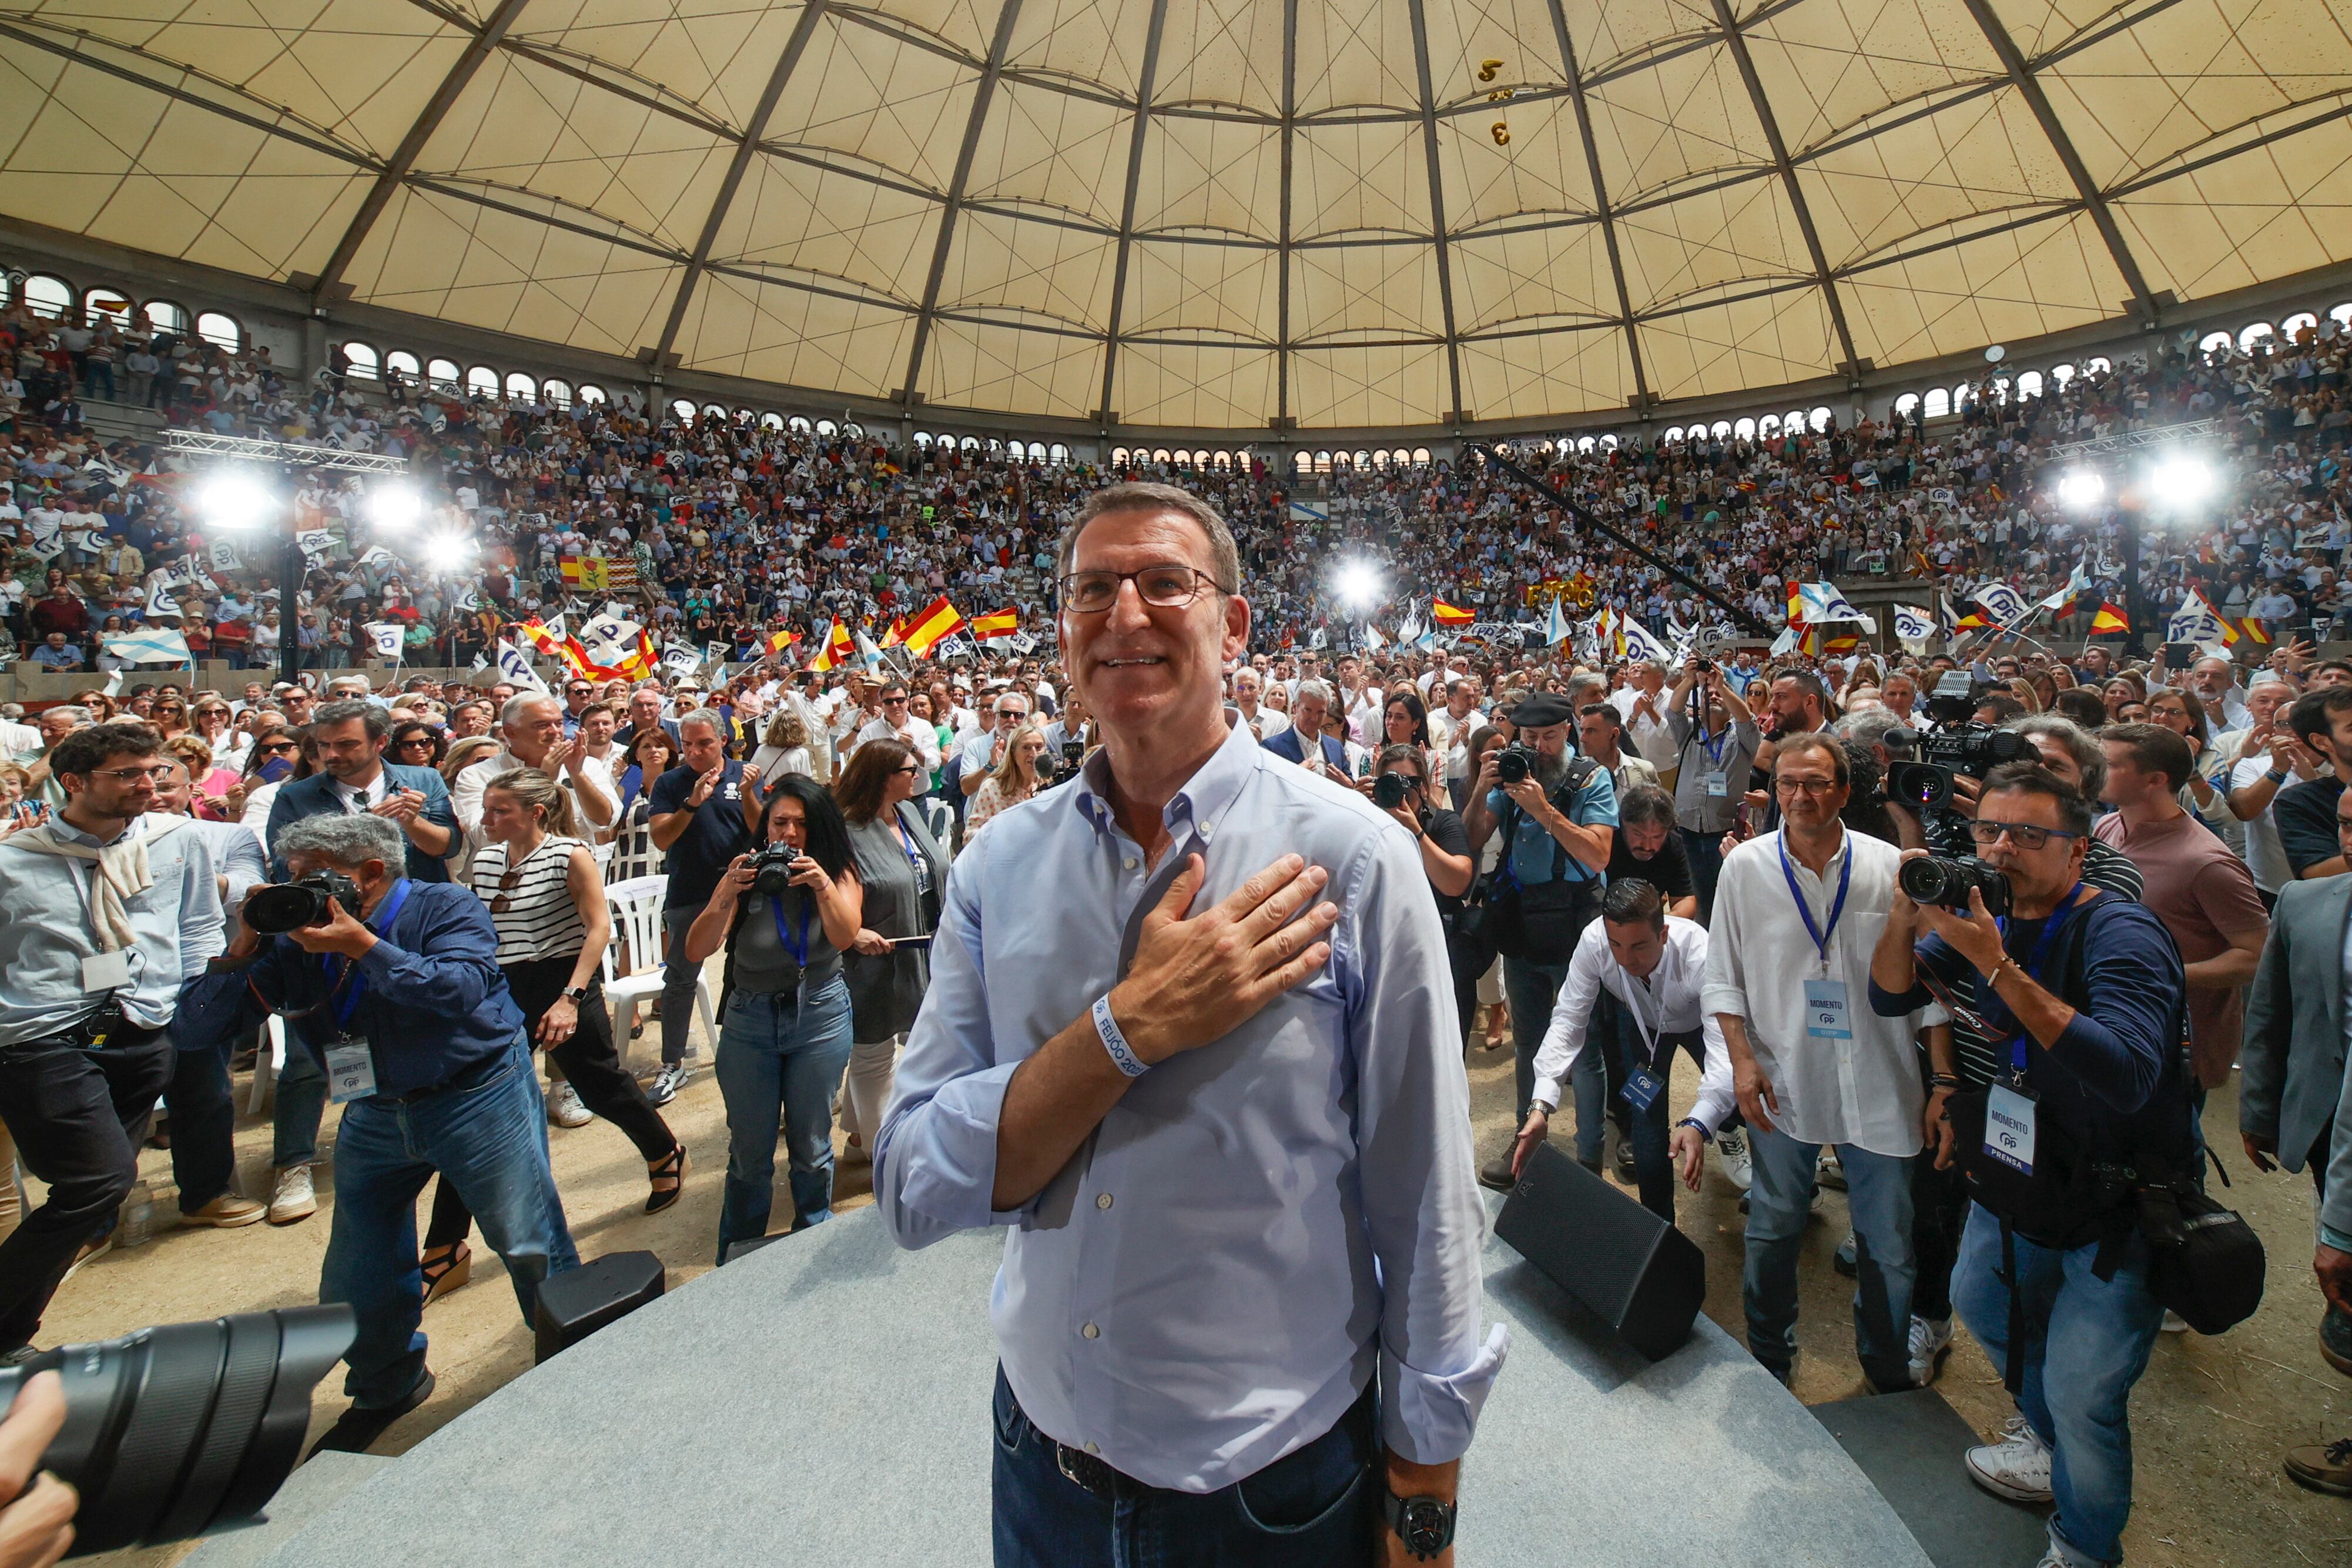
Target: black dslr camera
{"type": "Point", "coordinates": [1388, 791]}
{"type": "Point", "coordinates": [1960, 746]}
{"type": "Point", "coordinates": [1936, 880]}
{"type": "Point", "coordinates": [1514, 763]}
{"type": "Point", "coordinates": [771, 869]}
{"type": "Point", "coordinates": [282, 907]}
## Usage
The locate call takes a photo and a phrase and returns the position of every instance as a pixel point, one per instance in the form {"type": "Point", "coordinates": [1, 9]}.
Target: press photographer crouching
{"type": "Point", "coordinates": [395, 985]}
{"type": "Point", "coordinates": [2085, 993]}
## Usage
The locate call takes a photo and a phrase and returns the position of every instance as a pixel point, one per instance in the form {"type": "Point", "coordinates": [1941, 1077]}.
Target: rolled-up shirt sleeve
{"type": "Point", "coordinates": [1419, 1174]}
{"type": "Point", "coordinates": [935, 1158]}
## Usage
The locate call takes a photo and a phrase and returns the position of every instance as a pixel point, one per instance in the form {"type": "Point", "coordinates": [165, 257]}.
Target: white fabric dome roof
{"type": "Point", "coordinates": [1208, 213]}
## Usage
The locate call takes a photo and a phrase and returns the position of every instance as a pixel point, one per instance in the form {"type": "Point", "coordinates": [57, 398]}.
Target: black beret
{"type": "Point", "coordinates": [1542, 708]}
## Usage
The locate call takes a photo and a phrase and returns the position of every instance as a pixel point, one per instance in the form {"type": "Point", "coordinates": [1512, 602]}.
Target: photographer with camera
{"type": "Point", "coordinates": [1557, 815]}
{"type": "Point", "coordinates": [1400, 785]}
{"type": "Point", "coordinates": [1717, 740]}
{"type": "Point", "coordinates": [784, 914]}
{"type": "Point", "coordinates": [2085, 993]}
{"type": "Point", "coordinates": [105, 918]}
{"type": "Point", "coordinates": [1654, 965]}
{"type": "Point", "coordinates": [395, 985]}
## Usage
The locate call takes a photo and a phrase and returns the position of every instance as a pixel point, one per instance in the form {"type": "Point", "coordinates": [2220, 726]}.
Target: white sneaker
{"type": "Point", "coordinates": [1828, 1173]}
{"type": "Point", "coordinates": [2017, 1468]}
{"type": "Point", "coordinates": [1731, 1151]}
{"type": "Point", "coordinates": [668, 1082]}
{"type": "Point", "coordinates": [292, 1199]}
{"type": "Point", "coordinates": [1931, 1341]}
{"type": "Point", "coordinates": [2054, 1558]}
{"type": "Point", "coordinates": [2174, 1323]}
{"type": "Point", "coordinates": [563, 1107]}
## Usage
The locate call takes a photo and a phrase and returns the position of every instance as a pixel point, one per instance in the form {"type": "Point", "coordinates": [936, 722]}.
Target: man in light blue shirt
{"type": "Point", "coordinates": [1225, 1124]}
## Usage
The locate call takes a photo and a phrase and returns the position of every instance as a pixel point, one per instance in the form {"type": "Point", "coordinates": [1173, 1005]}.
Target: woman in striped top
{"type": "Point", "coordinates": [548, 902]}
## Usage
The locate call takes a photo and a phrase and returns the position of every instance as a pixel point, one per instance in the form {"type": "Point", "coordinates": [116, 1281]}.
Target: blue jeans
{"type": "Point", "coordinates": [204, 1120]}
{"type": "Point", "coordinates": [301, 1102]}
{"type": "Point", "coordinates": [1654, 1167]}
{"type": "Point", "coordinates": [486, 1133]}
{"type": "Point", "coordinates": [1878, 1194]}
{"type": "Point", "coordinates": [1705, 851]}
{"type": "Point", "coordinates": [777, 1052]}
{"type": "Point", "coordinates": [1532, 989]}
{"type": "Point", "coordinates": [2086, 1343]}
{"type": "Point", "coordinates": [1317, 1507]}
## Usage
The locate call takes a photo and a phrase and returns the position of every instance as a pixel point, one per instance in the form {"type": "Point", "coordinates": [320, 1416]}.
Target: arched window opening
{"type": "Point", "coordinates": [102, 306]}
{"type": "Point", "coordinates": [1743, 429]}
{"type": "Point", "coordinates": [399, 362]}
{"type": "Point", "coordinates": [2215, 340]}
{"type": "Point", "coordinates": [591, 392]}
{"type": "Point", "coordinates": [361, 359]}
{"type": "Point", "coordinates": [2254, 335]}
{"type": "Point", "coordinates": [557, 393]}
{"type": "Point", "coordinates": [221, 332]}
{"type": "Point", "coordinates": [164, 315]}
{"type": "Point", "coordinates": [1058, 453]}
{"type": "Point", "coordinates": [521, 389]}
{"type": "Point", "coordinates": [51, 296]}
{"type": "Point", "coordinates": [1939, 403]}
{"type": "Point", "coordinates": [439, 372]}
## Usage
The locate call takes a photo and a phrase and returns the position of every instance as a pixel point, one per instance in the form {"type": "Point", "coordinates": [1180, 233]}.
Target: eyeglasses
{"type": "Point", "coordinates": [909, 768]}
{"type": "Point", "coordinates": [279, 748]}
{"type": "Point", "coordinates": [1817, 788]}
{"type": "Point", "coordinates": [1169, 588]}
{"type": "Point", "coordinates": [2024, 834]}
{"type": "Point", "coordinates": [159, 772]}
{"type": "Point", "coordinates": [424, 740]}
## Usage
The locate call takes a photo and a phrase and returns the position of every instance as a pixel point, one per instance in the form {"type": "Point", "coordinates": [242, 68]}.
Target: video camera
{"type": "Point", "coordinates": [1960, 746]}
{"type": "Point", "coordinates": [187, 1430]}
{"type": "Point", "coordinates": [282, 907]}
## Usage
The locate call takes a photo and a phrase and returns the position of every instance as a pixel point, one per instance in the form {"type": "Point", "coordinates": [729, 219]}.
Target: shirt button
{"type": "Point", "coordinates": [1091, 1332]}
{"type": "Point", "coordinates": [1094, 1448]}
{"type": "Point", "coordinates": [1128, 862]}
{"type": "Point", "coordinates": [1102, 1201]}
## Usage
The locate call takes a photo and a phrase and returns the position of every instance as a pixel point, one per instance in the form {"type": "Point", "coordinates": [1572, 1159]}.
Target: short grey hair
{"type": "Point", "coordinates": [1594, 685]}
{"type": "Point", "coordinates": [1312, 691]}
{"type": "Point", "coordinates": [708, 717]}
{"type": "Point", "coordinates": [343, 840]}
{"type": "Point", "coordinates": [73, 713]}
{"type": "Point", "coordinates": [1225, 555]}
{"type": "Point", "coordinates": [1871, 727]}
{"type": "Point", "coordinates": [2090, 758]}
{"type": "Point", "coordinates": [520, 703]}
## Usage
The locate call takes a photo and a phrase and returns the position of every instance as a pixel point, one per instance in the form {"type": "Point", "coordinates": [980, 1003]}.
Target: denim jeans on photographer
{"type": "Point", "coordinates": [780, 1056]}
{"type": "Point", "coordinates": [300, 1104]}
{"type": "Point", "coordinates": [1317, 1507]}
{"type": "Point", "coordinates": [2087, 1342]}
{"type": "Point", "coordinates": [486, 1134]}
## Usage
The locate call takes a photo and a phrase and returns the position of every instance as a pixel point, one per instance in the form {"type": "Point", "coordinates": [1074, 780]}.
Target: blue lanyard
{"type": "Point", "coordinates": [1845, 879]}
{"type": "Point", "coordinates": [337, 966]}
{"type": "Point", "coordinates": [2050, 929]}
{"type": "Point", "coordinates": [799, 949]}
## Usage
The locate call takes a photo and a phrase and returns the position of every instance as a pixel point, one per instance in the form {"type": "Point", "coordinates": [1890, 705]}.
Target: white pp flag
{"type": "Point", "coordinates": [160, 602]}
{"type": "Point", "coordinates": [2196, 621]}
{"type": "Point", "coordinates": [389, 637]}
{"type": "Point", "coordinates": [2003, 603]}
{"type": "Point", "coordinates": [468, 601]}
{"type": "Point", "coordinates": [154, 646]}
{"type": "Point", "coordinates": [681, 658]}
{"type": "Point", "coordinates": [377, 555]}
{"type": "Point", "coordinates": [314, 543]}
{"type": "Point", "coordinates": [224, 556]}
{"type": "Point", "coordinates": [515, 665]}
{"type": "Point", "coordinates": [1913, 626]}
{"type": "Point", "coordinates": [1643, 643]}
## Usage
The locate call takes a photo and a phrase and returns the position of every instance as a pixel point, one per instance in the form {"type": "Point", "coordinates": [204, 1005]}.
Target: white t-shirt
{"type": "Point", "coordinates": [2265, 857]}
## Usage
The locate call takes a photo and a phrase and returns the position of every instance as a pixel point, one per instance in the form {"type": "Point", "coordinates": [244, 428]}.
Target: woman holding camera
{"type": "Point", "coordinates": [1011, 780]}
{"type": "Point", "coordinates": [785, 916]}
{"type": "Point", "coordinates": [547, 901]}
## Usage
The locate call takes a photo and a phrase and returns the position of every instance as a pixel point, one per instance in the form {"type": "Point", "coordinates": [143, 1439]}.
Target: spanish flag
{"type": "Point", "coordinates": [896, 635]}
{"type": "Point", "coordinates": [783, 638]}
{"type": "Point", "coordinates": [996, 623]}
{"type": "Point", "coordinates": [2252, 630]}
{"type": "Point", "coordinates": [938, 622]}
{"type": "Point", "coordinates": [2109, 619]}
{"type": "Point", "coordinates": [1971, 622]}
{"type": "Point", "coordinates": [836, 651]}
{"type": "Point", "coordinates": [1450, 616]}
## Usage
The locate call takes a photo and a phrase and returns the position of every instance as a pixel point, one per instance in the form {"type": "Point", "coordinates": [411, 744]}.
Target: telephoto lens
{"type": "Point", "coordinates": [1932, 879]}
{"type": "Point", "coordinates": [181, 1430]}
{"type": "Point", "coordinates": [282, 907]}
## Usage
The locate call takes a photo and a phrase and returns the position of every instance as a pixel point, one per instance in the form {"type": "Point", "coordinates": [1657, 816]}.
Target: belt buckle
{"type": "Point", "coordinates": [1084, 1469]}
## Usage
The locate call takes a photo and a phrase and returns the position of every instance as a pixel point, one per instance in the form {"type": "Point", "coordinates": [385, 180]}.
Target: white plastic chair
{"type": "Point", "coordinates": [603, 855]}
{"type": "Point", "coordinates": [637, 906]}
{"type": "Point", "coordinates": [268, 1063]}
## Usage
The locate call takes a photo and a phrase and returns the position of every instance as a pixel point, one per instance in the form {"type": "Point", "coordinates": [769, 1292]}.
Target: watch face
{"type": "Point", "coordinates": [1428, 1530]}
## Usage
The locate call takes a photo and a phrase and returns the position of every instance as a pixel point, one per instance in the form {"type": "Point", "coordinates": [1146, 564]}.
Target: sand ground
{"type": "Point", "coordinates": [2209, 1420]}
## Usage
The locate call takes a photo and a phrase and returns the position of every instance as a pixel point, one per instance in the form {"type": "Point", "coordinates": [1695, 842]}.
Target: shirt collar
{"type": "Point", "coordinates": [1204, 801]}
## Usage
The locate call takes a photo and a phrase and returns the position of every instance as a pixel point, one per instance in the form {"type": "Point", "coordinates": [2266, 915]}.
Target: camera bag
{"type": "Point", "coordinates": [1538, 923]}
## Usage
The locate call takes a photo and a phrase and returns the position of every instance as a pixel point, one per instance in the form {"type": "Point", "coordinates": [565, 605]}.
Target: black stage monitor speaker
{"type": "Point", "coordinates": [576, 1303]}
{"type": "Point", "coordinates": [736, 1250]}
{"type": "Point", "coordinates": [1633, 1269]}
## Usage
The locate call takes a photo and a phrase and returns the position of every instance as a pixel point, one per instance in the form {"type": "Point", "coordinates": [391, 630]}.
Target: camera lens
{"type": "Point", "coordinates": [1928, 881]}
{"type": "Point", "coordinates": [286, 905]}
{"type": "Point", "coordinates": [1388, 791]}
{"type": "Point", "coordinates": [1511, 767]}
{"type": "Point", "coordinates": [174, 1431]}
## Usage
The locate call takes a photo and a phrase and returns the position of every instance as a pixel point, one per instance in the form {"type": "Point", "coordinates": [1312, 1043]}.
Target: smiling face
{"type": "Point", "coordinates": [1142, 667]}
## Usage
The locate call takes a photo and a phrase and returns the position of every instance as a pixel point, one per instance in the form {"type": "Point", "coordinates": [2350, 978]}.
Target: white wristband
{"type": "Point", "coordinates": [1122, 1054]}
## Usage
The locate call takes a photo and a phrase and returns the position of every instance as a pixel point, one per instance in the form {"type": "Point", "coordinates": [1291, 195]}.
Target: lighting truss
{"type": "Point", "coordinates": [242, 448]}
{"type": "Point", "coordinates": [2131, 441]}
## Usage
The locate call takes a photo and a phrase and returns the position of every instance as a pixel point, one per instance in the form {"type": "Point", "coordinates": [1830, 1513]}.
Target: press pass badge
{"type": "Point", "coordinates": [351, 1071]}
{"type": "Point", "coordinates": [1718, 785]}
{"type": "Point", "coordinates": [1825, 1010]}
{"type": "Point", "coordinates": [2008, 1128]}
{"type": "Point", "coordinates": [106, 971]}
{"type": "Point", "coordinates": [1642, 1088]}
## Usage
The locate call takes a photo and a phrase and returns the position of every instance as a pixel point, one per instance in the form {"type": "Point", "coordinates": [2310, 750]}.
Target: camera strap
{"type": "Point", "coordinates": [344, 975]}
{"type": "Point", "coordinates": [1996, 1010]}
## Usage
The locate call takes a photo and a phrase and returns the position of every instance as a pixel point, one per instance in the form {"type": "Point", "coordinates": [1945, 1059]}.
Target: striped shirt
{"type": "Point", "coordinates": [535, 915]}
{"type": "Point", "coordinates": [1977, 1056]}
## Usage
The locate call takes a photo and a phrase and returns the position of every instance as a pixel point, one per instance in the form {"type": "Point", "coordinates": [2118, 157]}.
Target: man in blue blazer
{"type": "Point", "coordinates": [1309, 708]}
{"type": "Point", "coordinates": [353, 777]}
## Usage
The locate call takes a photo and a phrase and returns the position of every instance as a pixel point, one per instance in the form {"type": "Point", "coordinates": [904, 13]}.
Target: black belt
{"type": "Point", "coordinates": [1110, 1484]}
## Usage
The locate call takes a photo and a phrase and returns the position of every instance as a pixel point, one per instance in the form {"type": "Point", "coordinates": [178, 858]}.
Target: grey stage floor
{"type": "Point", "coordinates": [826, 1399]}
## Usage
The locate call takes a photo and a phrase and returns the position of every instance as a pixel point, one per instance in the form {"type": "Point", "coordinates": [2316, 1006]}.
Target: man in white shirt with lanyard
{"type": "Point", "coordinates": [1655, 965]}
{"type": "Point", "coordinates": [1813, 1065]}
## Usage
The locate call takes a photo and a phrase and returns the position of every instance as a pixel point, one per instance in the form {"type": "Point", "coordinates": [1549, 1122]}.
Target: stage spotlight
{"type": "Point", "coordinates": [2081, 490]}
{"type": "Point", "coordinates": [233, 501]}
{"type": "Point", "coordinates": [448, 553]}
{"type": "Point", "coordinates": [1358, 586]}
{"type": "Point", "coordinates": [394, 508]}
{"type": "Point", "coordinates": [2182, 481]}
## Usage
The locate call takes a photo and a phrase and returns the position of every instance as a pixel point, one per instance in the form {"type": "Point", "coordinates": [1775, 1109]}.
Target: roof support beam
{"type": "Point", "coordinates": [1823, 281]}
{"type": "Point", "coordinates": [1143, 85]}
{"type": "Point", "coordinates": [1008, 13]}
{"type": "Point", "coordinates": [1600, 200]}
{"type": "Point", "coordinates": [812, 12]}
{"type": "Point", "coordinates": [412, 146]}
{"type": "Point", "coordinates": [2095, 201]}
{"type": "Point", "coordinates": [1453, 414]}
{"type": "Point", "coordinates": [1289, 149]}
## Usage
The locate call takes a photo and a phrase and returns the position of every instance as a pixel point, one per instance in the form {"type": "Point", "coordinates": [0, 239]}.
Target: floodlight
{"type": "Point", "coordinates": [233, 501]}
{"type": "Point", "coordinates": [1358, 586]}
{"type": "Point", "coordinates": [2183, 481]}
{"type": "Point", "coordinates": [448, 553]}
{"type": "Point", "coordinates": [394, 508]}
{"type": "Point", "coordinates": [2081, 490]}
